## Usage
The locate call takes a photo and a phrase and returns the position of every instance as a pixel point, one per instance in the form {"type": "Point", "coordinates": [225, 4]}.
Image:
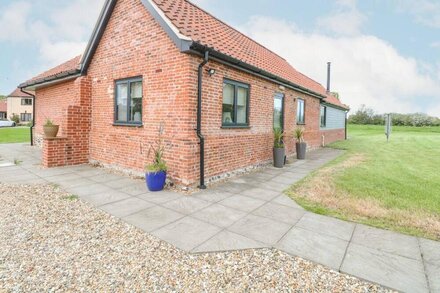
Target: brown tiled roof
{"type": "Point", "coordinates": [209, 31]}
{"type": "Point", "coordinates": [18, 93]}
{"type": "Point", "coordinates": [3, 105]}
{"type": "Point", "coordinates": [67, 67]}
{"type": "Point", "coordinates": [332, 99]}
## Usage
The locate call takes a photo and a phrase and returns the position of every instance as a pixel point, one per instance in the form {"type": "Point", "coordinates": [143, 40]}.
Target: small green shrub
{"type": "Point", "coordinates": [278, 138]}
{"type": "Point", "coordinates": [158, 163]}
{"type": "Point", "coordinates": [298, 133]}
{"type": "Point", "coordinates": [15, 118]}
{"type": "Point", "coordinates": [48, 122]}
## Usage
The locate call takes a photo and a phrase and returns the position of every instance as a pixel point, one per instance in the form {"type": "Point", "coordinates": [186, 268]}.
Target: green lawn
{"type": "Point", "coordinates": [14, 134]}
{"type": "Point", "coordinates": [393, 185]}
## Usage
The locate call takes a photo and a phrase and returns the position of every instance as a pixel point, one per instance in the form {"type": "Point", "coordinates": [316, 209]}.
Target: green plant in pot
{"type": "Point", "coordinates": [301, 145]}
{"type": "Point", "coordinates": [156, 172]}
{"type": "Point", "coordinates": [50, 129]}
{"type": "Point", "coordinates": [279, 151]}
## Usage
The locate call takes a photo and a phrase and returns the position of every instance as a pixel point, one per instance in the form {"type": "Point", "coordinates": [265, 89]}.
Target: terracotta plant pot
{"type": "Point", "coordinates": [51, 131]}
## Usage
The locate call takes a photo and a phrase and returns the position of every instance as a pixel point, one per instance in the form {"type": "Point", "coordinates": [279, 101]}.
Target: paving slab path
{"type": "Point", "coordinates": [249, 211]}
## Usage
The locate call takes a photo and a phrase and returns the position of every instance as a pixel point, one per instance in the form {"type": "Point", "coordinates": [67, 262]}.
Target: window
{"type": "Point", "coordinates": [323, 115]}
{"type": "Point", "coordinates": [278, 112]}
{"type": "Point", "coordinates": [235, 104]}
{"type": "Point", "coordinates": [26, 102]}
{"type": "Point", "coordinates": [128, 102]}
{"type": "Point", "coordinates": [2, 115]}
{"type": "Point", "coordinates": [25, 117]}
{"type": "Point", "coordinates": [300, 116]}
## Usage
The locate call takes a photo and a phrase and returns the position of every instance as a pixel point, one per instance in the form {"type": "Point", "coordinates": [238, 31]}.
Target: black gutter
{"type": "Point", "coordinates": [236, 63]}
{"type": "Point", "coordinates": [33, 115]}
{"type": "Point", "coordinates": [55, 77]}
{"type": "Point", "coordinates": [199, 121]}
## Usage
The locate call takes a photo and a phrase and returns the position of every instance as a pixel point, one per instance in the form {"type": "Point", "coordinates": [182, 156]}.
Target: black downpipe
{"type": "Point", "coordinates": [199, 121]}
{"type": "Point", "coordinates": [33, 115]}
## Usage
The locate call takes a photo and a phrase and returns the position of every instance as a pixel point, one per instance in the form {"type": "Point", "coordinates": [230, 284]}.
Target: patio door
{"type": "Point", "coordinates": [278, 111]}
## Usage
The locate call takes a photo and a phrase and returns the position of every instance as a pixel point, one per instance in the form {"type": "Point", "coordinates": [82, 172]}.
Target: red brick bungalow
{"type": "Point", "coordinates": [142, 70]}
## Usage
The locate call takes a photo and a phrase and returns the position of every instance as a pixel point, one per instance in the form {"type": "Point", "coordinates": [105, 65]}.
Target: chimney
{"type": "Point", "coordinates": [328, 76]}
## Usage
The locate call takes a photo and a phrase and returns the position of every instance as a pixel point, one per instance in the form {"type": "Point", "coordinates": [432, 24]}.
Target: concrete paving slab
{"type": "Point", "coordinates": [219, 215]}
{"type": "Point", "coordinates": [433, 274]}
{"type": "Point", "coordinates": [186, 204]}
{"type": "Point", "coordinates": [430, 250]}
{"type": "Point", "coordinates": [232, 187]}
{"type": "Point", "coordinates": [226, 240]}
{"type": "Point", "coordinates": [287, 201]}
{"type": "Point", "coordinates": [394, 271]}
{"type": "Point", "coordinates": [212, 195]}
{"type": "Point", "coordinates": [50, 172]}
{"type": "Point", "coordinates": [63, 177]}
{"type": "Point", "coordinates": [280, 213]}
{"type": "Point", "coordinates": [275, 186]}
{"type": "Point", "coordinates": [261, 229]}
{"type": "Point", "coordinates": [136, 188]}
{"type": "Point", "coordinates": [160, 197]}
{"type": "Point", "coordinates": [88, 171]}
{"type": "Point", "coordinates": [153, 218]}
{"type": "Point", "coordinates": [314, 246]}
{"type": "Point", "coordinates": [81, 181]}
{"type": "Point", "coordinates": [23, 178]}
{"type": "Point", "coordinates": [261, 193]}
{"type": "Point", "coordinates": [327, 225]}
{"type": "Point", "coordinates": [126, 207]}
{"type": "Point", "coordinates": [101, 178]}
{"type": "Point", "coordinates": [89, 189]}
{"type": "Point", "coordinates": [121, 183]}
{"type": "Point", "coordinates": [242, 203]}
{"type": "Point", "coordinates": [187, 233]}
{"type": "Point", "coordinates": [288, 179]}
{"type": "Point", "coordinates": [103, 198]}
{"type": "Point", "coordinates": [387, 241]}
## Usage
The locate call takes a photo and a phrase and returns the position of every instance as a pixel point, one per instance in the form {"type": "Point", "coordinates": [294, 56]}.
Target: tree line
{"type": "Point", "coordinates": [366, 115]}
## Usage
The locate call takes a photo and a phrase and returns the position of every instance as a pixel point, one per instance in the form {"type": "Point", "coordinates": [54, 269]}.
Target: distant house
{"type": "Point", "coordinates": [20, 104]}
{"type": "Point", "coordinates": [216, 94]}
{"type": "Point", "coordinates": [3, 109]}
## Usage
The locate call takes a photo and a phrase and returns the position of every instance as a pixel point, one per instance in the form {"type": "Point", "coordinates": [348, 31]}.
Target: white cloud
{"type": "Point", "coordinates": [366, 69]}
{"type": "Point", "coordinates": [435, 44]}
{"type": "Point", "coordinates": [13, 21]}
{"type": "Point", "coordinates": [61, 34]}
{"type": "Point", "coordinates": [346, 19]}
{"type": "Point", "coordinates": [425, 12]}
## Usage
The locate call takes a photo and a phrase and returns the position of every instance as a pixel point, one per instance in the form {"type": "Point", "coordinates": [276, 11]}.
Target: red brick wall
{"type": "Point", "coordinates": [333, 135]}
{"type": "Point", "coordinates": [66, 104]}
{"type": "Point", "coordinates": [134, 44]}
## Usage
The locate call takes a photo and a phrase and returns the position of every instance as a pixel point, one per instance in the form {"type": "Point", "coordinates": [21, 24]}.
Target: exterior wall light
{"type": "Point", "coordinates": [211, 71]}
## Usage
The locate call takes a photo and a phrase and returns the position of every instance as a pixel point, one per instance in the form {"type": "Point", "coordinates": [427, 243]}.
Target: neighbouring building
{"type": "Point", "coordinates": [167, 64]}
{"type": "Point", "coordinates": [20, 104]}
{"type": "Point", "coordinates": [3, 109]}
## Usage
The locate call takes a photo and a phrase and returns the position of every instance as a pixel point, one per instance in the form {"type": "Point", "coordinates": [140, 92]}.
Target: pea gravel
{"type": "Point", "coordinates": [50, 241]}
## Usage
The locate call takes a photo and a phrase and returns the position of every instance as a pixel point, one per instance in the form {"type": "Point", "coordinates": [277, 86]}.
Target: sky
{"type": "Point", "coordinates": [384, 53]}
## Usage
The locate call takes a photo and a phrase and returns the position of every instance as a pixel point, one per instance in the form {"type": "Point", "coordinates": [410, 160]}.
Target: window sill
{"type": "Point", "coordinates": [299, 123]}
{"type": "Point", "coordinates": [235, 127]}
{"type": "Point", "coordinates": [127, 124]}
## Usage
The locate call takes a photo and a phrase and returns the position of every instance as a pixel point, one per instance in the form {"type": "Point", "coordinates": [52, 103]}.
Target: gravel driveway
{"type": "Point", "coordinates": [50, 241]}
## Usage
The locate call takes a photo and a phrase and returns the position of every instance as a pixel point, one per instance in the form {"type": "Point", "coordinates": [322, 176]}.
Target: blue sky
{"type": "Point", "coordinates": [385, 54]}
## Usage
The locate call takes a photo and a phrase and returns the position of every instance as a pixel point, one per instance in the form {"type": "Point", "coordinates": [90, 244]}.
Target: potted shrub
{"type": "Point", "coordinates": [301, 145]}
{"type": "Point", "coordinates": [278, 148]}
{"type": "Point", "coordinates": [50, 129]}
{"type": "Point", "coordinates": [156, 172]}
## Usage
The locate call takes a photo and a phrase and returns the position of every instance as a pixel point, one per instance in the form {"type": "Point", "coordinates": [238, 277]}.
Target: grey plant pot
{"type": "Point", "coordinates": [301, 148]}
{"type": "Point", "coordinates": [278, 157]}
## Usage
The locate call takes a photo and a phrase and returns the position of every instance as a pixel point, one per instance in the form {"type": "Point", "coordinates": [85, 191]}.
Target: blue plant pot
{"type": "Point", "coordinates": [156, 180]}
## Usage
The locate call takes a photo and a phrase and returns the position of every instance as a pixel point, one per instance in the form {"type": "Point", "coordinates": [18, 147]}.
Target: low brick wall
{"type": "Point", "coordinates": [332, 135]}
{"type": "Point", "coordinates": [61, 151]}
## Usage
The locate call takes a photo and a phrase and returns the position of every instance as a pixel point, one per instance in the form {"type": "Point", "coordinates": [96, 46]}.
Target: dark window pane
{"type": "Point", "coordinates": [323, 115]}
{"type": "Point", "coordinates": [228, 113]}
{"type": "Point", "coordinates": [121, 101]}
{"type": "Point", "coordinates": [242, 97]}
{"type": "Point", "coordinates": [136, 101]}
